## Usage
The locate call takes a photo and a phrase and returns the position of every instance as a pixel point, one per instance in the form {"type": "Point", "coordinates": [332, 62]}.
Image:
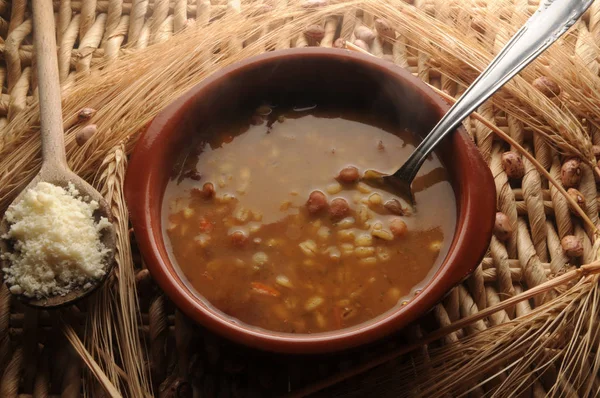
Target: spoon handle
{"type": "Point", "coordinates": [44, 34]}
{"type": "Point", "coordinates": [546, 25]}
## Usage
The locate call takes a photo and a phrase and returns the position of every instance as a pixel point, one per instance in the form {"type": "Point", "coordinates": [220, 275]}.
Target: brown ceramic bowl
{"type": "Point", "coordinates": [333, 76]}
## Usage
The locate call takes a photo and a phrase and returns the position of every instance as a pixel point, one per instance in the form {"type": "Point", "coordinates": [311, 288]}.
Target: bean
{"type": "Point", "coordinates": [85, 134]}
{"type": "Point", "coordinates": [547, 86]}
{"type": "Point", "coordinates": [313, 303]}
{"type": "Point", "coordinates": [349, 175]}
{"type": "Point", "coordinates": [339, 208]}
{"type": "Point", "coordinates": [86, 114]}
{"type": "Point", "coordinates": [314, 34]}
{"type": "Point", "coordinates": [398, 227]}
{"type": "Point", "coordinates": [572, 246]}
{"type": "Point", "coordinates": [394, 206]}
{"type": "Point", "coordinates": [238, 238]}
{"type": "Point", "coordinates": [502, 227]}
{"type": "Point", "coordinates": [317, 201]}
{"type": "Point", "coordinates": [513, 165]}
{"type": "Point", "coordinates": [570, 173]}
{"type": "Point", "coordinates": [578, 198]}
{"type": "Point", "coordinates": [365, 34]}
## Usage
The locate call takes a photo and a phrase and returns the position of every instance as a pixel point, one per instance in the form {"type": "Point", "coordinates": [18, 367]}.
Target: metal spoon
{"type": "Point", "coordinates": [552, 19]}
{"type": "Point", "coordinates": [54, 161]}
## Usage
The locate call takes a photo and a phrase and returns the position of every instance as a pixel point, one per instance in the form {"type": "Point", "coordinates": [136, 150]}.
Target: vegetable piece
{"type": "Point", "coordinates": [263, 289]}
{"type": "Point", "coordinates": [206, 225]}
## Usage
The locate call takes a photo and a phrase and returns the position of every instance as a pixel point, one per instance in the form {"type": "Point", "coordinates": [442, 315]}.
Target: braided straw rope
{"type": "Point", "coordinates": [179, 355]}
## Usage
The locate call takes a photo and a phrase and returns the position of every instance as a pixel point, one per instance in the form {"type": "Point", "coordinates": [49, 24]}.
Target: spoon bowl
{"type": "Point", "coordinates": [54, 162]}
{"type": "Point", "coordinates": [62, 178]}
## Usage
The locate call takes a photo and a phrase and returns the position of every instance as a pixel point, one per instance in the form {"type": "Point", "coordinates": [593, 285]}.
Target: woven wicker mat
{"type": "Point", "coordinates": [37, 360]}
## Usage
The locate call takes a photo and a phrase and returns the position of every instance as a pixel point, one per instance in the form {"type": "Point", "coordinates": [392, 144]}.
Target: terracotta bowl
{"type": "Point", "coordinates": [338, 77]}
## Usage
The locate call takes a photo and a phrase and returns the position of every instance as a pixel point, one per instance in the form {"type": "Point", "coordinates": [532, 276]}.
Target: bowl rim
{"type": "Point", "coordinates": [477, 199]}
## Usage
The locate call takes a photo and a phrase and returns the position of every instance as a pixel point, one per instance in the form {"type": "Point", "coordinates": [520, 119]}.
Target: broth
{"type": "Point", "coordinates": [246, 236]}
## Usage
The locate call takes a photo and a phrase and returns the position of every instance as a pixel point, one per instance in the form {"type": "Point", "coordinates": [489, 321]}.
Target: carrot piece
{"type": "Point", "coordinates": [264, 289]}
{"type": "Point", "coordinates": [205, 225]}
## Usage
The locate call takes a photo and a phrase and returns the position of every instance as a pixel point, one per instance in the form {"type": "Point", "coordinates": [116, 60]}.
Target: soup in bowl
{"type": "Point", "coordinates": [251, 206]}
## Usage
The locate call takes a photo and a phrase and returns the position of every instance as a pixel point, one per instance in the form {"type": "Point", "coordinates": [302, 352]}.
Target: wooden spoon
{"type": "Point", "coordinates": [54, 160]}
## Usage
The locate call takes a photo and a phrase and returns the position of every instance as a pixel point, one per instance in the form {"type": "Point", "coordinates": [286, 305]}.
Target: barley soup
{"type": "Point", "coordinates": [271, 222]}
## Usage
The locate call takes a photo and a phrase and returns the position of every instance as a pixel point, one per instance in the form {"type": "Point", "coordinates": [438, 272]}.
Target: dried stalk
{"type": "Point", "coordinates": [92, 365]}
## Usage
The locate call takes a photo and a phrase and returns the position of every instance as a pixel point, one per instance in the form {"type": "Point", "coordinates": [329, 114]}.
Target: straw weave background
{"type": "Point", "coordinates": [36, 360]}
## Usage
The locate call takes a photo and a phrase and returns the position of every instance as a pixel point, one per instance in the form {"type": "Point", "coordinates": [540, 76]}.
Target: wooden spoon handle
{"type": "Point", "coordinates": [53, 141]}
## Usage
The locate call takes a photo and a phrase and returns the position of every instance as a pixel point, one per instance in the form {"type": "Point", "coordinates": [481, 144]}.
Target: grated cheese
{"type": "Point", "coordinates": [56, 242]}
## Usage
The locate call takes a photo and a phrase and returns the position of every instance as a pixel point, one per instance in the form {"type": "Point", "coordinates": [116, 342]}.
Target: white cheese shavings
{"type": "Point", "coordinates": [56, 242]}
